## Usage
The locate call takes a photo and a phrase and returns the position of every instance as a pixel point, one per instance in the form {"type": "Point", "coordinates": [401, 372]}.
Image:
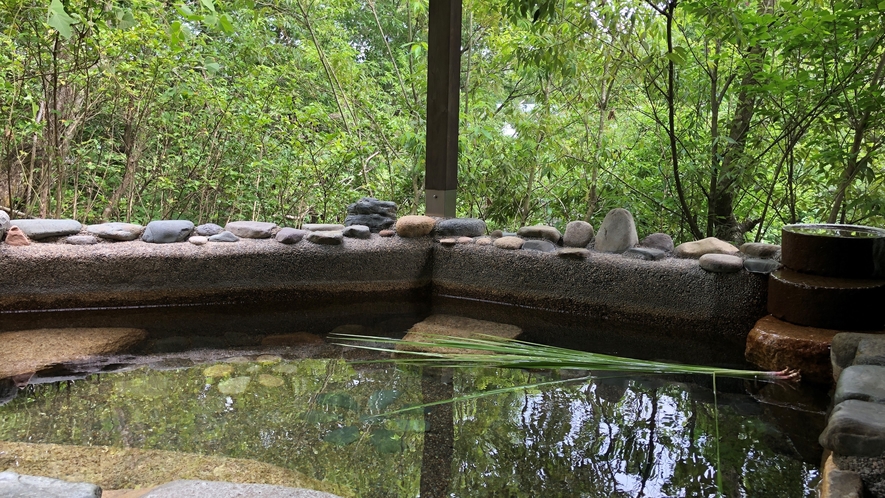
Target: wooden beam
{"type": "Point", "coordinates": [443, 106]}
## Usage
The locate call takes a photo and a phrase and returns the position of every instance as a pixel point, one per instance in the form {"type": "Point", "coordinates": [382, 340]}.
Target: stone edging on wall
{"type": "Point", "coordinates": [675, 292]}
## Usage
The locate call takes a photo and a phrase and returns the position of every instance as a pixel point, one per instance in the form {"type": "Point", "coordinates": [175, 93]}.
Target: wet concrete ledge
{"type": "Point", "coordinates": [672, 292]}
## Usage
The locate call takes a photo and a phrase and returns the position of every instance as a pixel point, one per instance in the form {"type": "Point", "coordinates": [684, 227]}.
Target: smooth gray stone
{"type": "Point", "coordinates": [843, 349]}
{"type": "Point", "coordinates": [324, 237]}
{"type": "Point", "coordinates": [461, 227]}
{"type": "Point", "coordinates": [645, 253]}
{"type": "Point", "coordinates": [617, 233]}
{"type": "Point", "coordinates": [721, 263]}
{"type": "Point", "coordinates": [758, 265]}
{"type": "Point", "coordinates": [4, 223]}
{"type": "Point", "coordinates": [167, 231]}
{"type": "Point", "coordinates": [198, 240]}
{"type": "Point", "coordinates": [861, 382]}
{"type": "Point", "coordinates": [208, 229]}
{"type": "Point", "coordinates": [573, 253]}
{"type": "Point", "coordinates": [216, 489]}
{"type": "Point", "coordinates": [760, 250]}
{"type": "Point", "coordinates": [856, 428]}
{"type": "Point", "coordinates": [37, 229]}
{"type": "Point", "coordinates": [658, 240]}
{"type": "Point", "coordinates": [13, 485]}
{"type": "Point", "coordinates": [539, 232]}
{"type": "Point", "coordinates": [323, 227]}
{"type": "Point", "coordinates": [539, 245]}
{"type": "Point", "coordinates": [251, 229]}
{"type": "Point", "coordinates": [290, 235]}
{"type": "Point", "coordinates": [224, 236]}
{"type": "Point", "coordinates": [115, 231]}
{"type": "Point", "coordinates": [357, 232]}
{"type": "Point", "coordinates": [578, 234]}
{"type": "Point", "coordinates": [81, 240]}
{"type": "Point", "coordinates": [870, 351]}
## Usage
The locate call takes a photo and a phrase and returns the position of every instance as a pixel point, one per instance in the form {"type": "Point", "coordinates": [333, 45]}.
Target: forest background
{"type": "Point", "coordinates": [702, 117]}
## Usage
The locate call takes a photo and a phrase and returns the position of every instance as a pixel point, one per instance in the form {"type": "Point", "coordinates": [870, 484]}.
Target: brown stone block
{"type": "Point", "coordinates": [826, 302]}
{"type": "Point", "coordinates": [774, 344]}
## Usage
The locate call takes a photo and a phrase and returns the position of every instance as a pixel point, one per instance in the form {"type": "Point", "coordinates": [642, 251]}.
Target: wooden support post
{"type": "Point", "coordinates": [443, 107]}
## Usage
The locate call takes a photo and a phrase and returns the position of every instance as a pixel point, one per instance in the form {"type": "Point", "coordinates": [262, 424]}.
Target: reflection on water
{"type": "Point", "coordinates": [604, 438]}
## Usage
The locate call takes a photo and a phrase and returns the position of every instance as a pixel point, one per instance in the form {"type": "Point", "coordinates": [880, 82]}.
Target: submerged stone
{"type": "Point", "coordinates": [167, 231]}
{"type": "Point", "coordinates": [37, 229]}
{"type": "Point", "coordinates": [251, 229]}
{"type": "Point", "coordinates": [268, 380]}
{"type": "Point", "coordinates": [115, 231]}
{"type": "Point", "coordinates": [455, 326]}
{"type": "Point", "coordinates": [236, 385]}
{"type": "Point", "coordinates": [219, 370]}
{"type": "Point", "coordinates": [617, 233]}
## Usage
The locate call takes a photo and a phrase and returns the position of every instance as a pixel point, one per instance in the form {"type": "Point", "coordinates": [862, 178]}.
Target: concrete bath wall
{"type": "Point", "coordinates": [676, 293]}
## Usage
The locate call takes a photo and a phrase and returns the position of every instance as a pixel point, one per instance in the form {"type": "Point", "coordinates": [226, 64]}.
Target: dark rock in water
{"type": "Point", "coordinates": [115, 231]}
{"type": "Point", "coordinates": [8, 390]}
{"type": "Point", "coordinates": [251, 229]}
{"type": "Point", "coordinates": [461, 227]}
{"type": "Point", "coordinates": [573, 253]}
{"type": "Point", "coordinates": [617, 233]}
{"type": "Point", "coordinates": [645, 253]}
{"type": "Point", "coordinates": [721, 263]}
{"type": "Point", "coordinates": [167, 231]}
{"type": "Point", "coordinates": [539, 245]}
{"type": "Point", "coordinates": [375, 214]}
{"type": "Point", "coordinates": [856, 428]}
{"type": "Point", "coordinates": [37, 229]}
{"type": "Point", "coordinates": [658, 240]}
{"type": "Point", "coordinates": [224, 236]}
{"type": "Point", "coordinates": [760, 250]}
{"type": "Point", "coordinates": [357, 232]}
{"type": "Point", "coordinates": [540, 232]}
{"type": "Point", "coordinates": [325, 238]}
{"type": "Point", "coordinates": [578, 234]}
{"type": "Point", "coordinates": [290, 235]}
{"type": "Point", "coordinates": [208, 229]}
{"type": "Point", "coordinates": [861, 382]}
{"type": "Point", "coordinates": [23, 486]}
{"type": "Point", "coordinates": [756, 265]}
{"type": "Point", "coordinates": [81, 240]}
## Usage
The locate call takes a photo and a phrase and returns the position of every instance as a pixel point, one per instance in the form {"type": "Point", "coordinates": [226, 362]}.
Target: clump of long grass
{"type": "Point", "coordinates": [491, 351]}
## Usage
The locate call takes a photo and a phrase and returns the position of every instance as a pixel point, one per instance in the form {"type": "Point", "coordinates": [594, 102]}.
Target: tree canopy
{"type": "Point", "coordinates": [701, 117]}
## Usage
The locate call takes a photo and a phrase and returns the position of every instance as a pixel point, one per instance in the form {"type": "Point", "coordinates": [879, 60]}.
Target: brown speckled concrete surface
{"type": "Point", "coordinates": [674, 292]}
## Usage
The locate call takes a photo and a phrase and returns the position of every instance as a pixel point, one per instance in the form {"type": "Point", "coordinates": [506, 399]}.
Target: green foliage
{"type": "Point", "coordinates": [287, 111]}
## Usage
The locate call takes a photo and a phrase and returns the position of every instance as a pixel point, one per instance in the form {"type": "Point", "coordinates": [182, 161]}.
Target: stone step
{"type": "Point", "coordinates": [774, 344]}
{"type": "Point", "coordinates": [826, 302]}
